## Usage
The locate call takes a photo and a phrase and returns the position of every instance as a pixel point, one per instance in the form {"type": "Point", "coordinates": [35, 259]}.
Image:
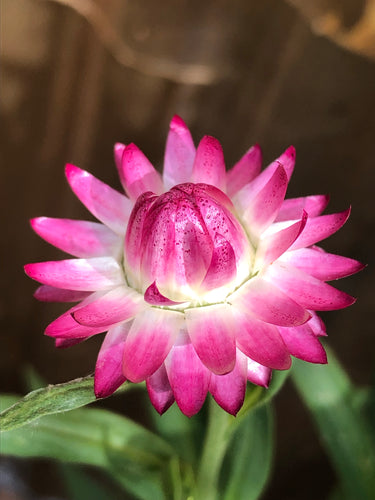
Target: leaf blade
{"type": "Point", "coordinates": [328, 394]}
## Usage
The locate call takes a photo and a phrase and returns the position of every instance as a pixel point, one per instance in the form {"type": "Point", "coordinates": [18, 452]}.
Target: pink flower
{"type": "Point", "coordinates": [202, 278]}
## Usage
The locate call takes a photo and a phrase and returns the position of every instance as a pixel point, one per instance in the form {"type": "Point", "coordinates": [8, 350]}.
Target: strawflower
{"type": "Point", "coordinates": [204, 279]}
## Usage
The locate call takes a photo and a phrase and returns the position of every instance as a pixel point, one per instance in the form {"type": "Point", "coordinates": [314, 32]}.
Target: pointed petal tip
{"type": "Point", "coordinates": [177, 123]}
{"type": "Point", "coordinates": [291, 151]}
{"type": "Point", "coordinates": [71, 170]}
{"type": "Point", "coordinates": [119, 147]}
{"type": "Point", "coordinates": [118, 150]}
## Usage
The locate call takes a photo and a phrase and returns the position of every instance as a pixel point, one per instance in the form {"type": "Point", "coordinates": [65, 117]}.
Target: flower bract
{"type": "Point", "coordinates": [203, 278]}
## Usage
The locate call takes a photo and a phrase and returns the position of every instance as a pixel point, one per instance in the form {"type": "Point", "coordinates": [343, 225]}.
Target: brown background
{"type": "Point", "coordinates": [78, 76]}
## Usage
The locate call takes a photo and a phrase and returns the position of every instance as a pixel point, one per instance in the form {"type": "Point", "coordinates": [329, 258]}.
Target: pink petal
{"type": "Point", "coordinates": [79, 238]}
{"type": "Point", "coordinates": [219, 217]}
{"type": "Point", "coordinates": [137, 174]}
{"type": "Point", "coordinates": [316, 324]}
{"type": "Point", "coordinates": [150, 339]}
{"type": "Point", "coordinates": [209, 166]}
{"type": "Point", "coordinates": [258, 374]}
{"type": "Point", "coordinates": [188, 377]}
{"type": "Point", "coordinates": [77, 274]}
{"type": "Point", "coordinates": [309, 292]}
{"type": "Point", "coordinates": [179, 154]}
{"type": "Point", "coordinates": [261, 209]}
{"type": "Point", "coordinates": [286, 160]}
{"type": "Point", "coordinates": [64, 343]}
{"type": "Point", "coordinates": [272, 246]}
{"type": "Point", "coordinates": [48, 293]}
{"type": "Point", "coordinates": [133, 238]}
{"type": "Point", "coordinates": [118, 151]}
{"type": "Point", "coordinates": [108, 369]}
{"type": "Point", "coordinates": [322, 265]}
{"type": "Point", "coordinates": [223, 265]}
{"type": "Point", "coordinates": [319, 228]}
{"type": "Point", "coordinates": [105, 203]}
{"type": "Point", "coordinates": [245, 170]}
{"type": "Point", "coordinates": [261, 342]}
{"type": "Point", "coordinates": [303, 344]}
{"type": "Point", "coordinates": [177, 247]}
{"type": "Point", "coordinates": [268, 303]}
{"type": "Point", "coordinates": [159, 390]}
{"type": "Point", "coordinates": [155, 298]}
{"type": "Point", "coordinates": [229, 390]}
{"type": "Point", "coordinates": [66, 328]}
{"type": "Point", "coordinates": [292, 208]}
{"type": "Point", "coordinates": [211, 331]}
{"type": "Point", "coordinates": [119, 304]}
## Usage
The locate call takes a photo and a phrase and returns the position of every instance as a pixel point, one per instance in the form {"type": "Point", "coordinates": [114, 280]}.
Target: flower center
{"type": "Point", "coordinates": [187, 245]}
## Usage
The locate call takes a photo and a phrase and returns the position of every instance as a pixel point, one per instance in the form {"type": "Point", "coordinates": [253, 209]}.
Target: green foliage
{"type": "Point", "coordinates": [343, 427]}
{"type": "Point", "coordinates": [127, 451]}
{"type": "Point", "coordinates": [247, 465]}
{"type": "Point", "coordinates": [48, 401]}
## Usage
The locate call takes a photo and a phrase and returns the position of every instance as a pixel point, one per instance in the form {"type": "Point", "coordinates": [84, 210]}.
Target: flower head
{"type": "Point", "coordinates": [204, 279]}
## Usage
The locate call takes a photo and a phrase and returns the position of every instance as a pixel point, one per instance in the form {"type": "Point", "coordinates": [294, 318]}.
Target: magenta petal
{"type": "Point", "coordinates": [118, 151]}
{"type": "Point", "coordinates": [48, 293]}
{"type": "Point", "coordinates": [303, 344]}
{"type": "Point", "coordinates": [229, 390]}
{"type": "Point", "coordinates": [319, 228]}
{"type": "Point", "coordinates": [150, 339]}
{"type": "Point", "coordinates": [108, 369]}
{"type": "Point", "coordinates": [261, 342]}
{"type": "Point", "coordinates": [209, 166]}
{"type": "Point", "coordinates": [159, 390]}
{"type": "Point", "coordinates": [309, 292]}
{"type": "Point", "coordinates": [288, 160]}
{"type": "Point", "coordinates": [261, 209]}
{"type": "Point", "coordinates": [179, 154]}
{"type": "Point", "coordinates": [188, 377]}
{"type": "Point", "coordinates": [223, 265]}
{"type": "Point", "coordinates": [65, 343]}
{"type": "Point", "coordinates": [272, 246]}
{"type": "Point", "coordinates": [137, 174]}
{"type": "Point", "coordinates": [177, 248]}
{"type": "Point", "coordinates": [292, 208]}
{"type": "Point", "coordinates": [317, 325]}
{"type": "Point", "coordinates": [105, 203]}
{"type": "Point", "coordinates": [155, 298]}
{"type": "Point", "coordinates": [245, 170]}
{"type": "Point", "coordinates": [119, 304]}
{"type": "Point", "coordinates": [79, 238]}
{"type": "Point", "coordinates": [258, 374]}
{"type": "Point", "coordinates": [77, 274]}
{"type": "Point", "coordinates": [65, 327]}
{"type": "Point", "coordinates": [211, 331]}
{"type": "Point", "coordinates": [322, 265]}
{"type": "Point", "coordinates": [133, 239]}
{"type": "Point", "coordinates": [268, 303]}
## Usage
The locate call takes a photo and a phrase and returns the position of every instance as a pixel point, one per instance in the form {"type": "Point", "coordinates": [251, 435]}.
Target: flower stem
{"type": "Point", "coordinates": [215, 445]}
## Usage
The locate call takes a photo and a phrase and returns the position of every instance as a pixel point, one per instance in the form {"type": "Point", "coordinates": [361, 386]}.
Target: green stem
{"type": "Point", "coordinates": [214, 448]}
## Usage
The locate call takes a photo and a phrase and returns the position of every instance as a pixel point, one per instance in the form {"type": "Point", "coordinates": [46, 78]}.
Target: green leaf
{"type": "Point", "coordinates": [50, 400]}
{"type": "Point", "coordinates": [329, 395]}
{"type": "Point", "coordinates": [90, 436]}
{"type": "Point", "coordinates": [131, 454]}
{"type": "Point", "coordinates": [247, 464]}
{"type": "Point", "coordinates": [80, 485]}
{"type": "Point", "coordinates": [257, 396]}
{"type": "Point", "coordinates": [183, 433]}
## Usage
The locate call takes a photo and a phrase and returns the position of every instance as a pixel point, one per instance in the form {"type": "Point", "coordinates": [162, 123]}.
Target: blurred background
{"type": "Point", "coordinates": [79, 75]}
